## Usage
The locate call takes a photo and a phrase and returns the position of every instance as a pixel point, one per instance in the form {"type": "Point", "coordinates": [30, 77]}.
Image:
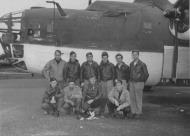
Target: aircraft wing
{"type": "Point", "coordinates": [161, 4]}
{"type": "Point", "coordinates": [113, 5]}
{"type": "Point", "coordinates": [114, 9]}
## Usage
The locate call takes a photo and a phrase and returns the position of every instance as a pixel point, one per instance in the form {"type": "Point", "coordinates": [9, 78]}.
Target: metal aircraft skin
{"type": "Point", "coordinates": [126, 26]}
{"type": "Point", "coordinates": [104, 26]}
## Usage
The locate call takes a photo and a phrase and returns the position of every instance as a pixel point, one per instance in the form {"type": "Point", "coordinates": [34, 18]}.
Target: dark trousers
{"type": "Point", "coordinates": [99, 103]}
{"type": "Point", "coordinates": [112, 109]}
{"type": "Point", "coordinates": [50, 108]}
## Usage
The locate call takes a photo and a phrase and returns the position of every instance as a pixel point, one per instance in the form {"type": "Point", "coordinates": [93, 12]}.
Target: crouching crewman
{"type": "Point", "coordinates": [119, 100]}
{"type": "Point", "coordinates": [92, 98]}
{"type": "Point", "coordinates": [72, 99]}
{"type": "Point", "coordinates": [51, 98]}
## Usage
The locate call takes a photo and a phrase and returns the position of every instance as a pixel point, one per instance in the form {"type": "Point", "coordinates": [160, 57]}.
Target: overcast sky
{"type": "Point", "coordinates": [15, 5]}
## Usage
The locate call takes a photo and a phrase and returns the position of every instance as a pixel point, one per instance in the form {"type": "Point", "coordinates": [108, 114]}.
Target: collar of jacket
{"type": "Point", "coordinates": [87, 63]}
{"type": "Point", "coordinates": [102, 63]}
{"type": "Point", "coordinates": [76, 61]}
{"type": "Point", "coordinates": [138, 62]}
{"type": "Point", "coordinates": [54, 61]}
{"type": "Point", "coordinates": [118, 91]}
{"type": "Point", "coordinates": [50, 90]}
{"type": "Point", "coordinates": [121, 65]}
{"type": "Point", "coordinates": [73, 89]}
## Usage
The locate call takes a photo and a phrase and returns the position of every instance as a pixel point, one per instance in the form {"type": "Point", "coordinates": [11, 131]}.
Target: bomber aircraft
{"type": "Point", "coordinates": [157, 28]}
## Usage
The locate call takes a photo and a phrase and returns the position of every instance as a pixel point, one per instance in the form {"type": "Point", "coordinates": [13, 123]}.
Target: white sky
{"type": "Point", "coordinates": [16, 5]}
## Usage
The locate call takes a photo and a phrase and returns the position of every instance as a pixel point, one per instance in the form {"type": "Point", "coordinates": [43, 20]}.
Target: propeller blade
{"type": "Point", "coordinates": [183, 4]}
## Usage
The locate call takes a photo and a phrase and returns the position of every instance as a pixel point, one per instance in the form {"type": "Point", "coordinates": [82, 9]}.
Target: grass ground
{"type": "Point", "coordinates": [166, 113]}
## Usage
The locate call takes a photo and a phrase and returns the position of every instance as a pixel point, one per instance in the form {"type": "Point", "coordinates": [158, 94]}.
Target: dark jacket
{"type": "Point", "coordinates": [122, 73]}
{"type": "Point", "coordinates": [139, 72]}
{"type": "Point", "coordinates": [89, 70]}
{"type": "Point", "coordinates": [49, 93]}
{"type": "Point", "coordinates": [107, 71]}
{"type": "Point", "coordinates": [72, 71]}
{"type": "Point", "coordinates": [92, 92]}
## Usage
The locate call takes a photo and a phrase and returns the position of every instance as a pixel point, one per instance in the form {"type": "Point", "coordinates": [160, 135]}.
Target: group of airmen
{"type": "Point", "coordinates": [91, 90]}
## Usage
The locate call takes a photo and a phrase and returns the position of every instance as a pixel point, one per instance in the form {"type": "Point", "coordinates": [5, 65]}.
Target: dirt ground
{"type": "Point", "coordinates": [166, 113]}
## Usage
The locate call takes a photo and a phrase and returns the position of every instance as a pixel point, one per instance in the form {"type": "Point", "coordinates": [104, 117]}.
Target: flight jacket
{"type": "Point", "coordinates": [138, 72]}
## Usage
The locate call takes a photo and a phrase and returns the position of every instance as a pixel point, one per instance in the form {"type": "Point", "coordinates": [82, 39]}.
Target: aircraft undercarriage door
{"type": "Point", "coordinates": [183, 63]}
{"type": "Point", "coordinates": [168, 62]}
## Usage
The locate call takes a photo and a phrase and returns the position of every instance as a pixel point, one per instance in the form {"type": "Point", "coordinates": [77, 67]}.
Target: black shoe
{"type": "Point", "coordinates": [138, 116]}
{"type": "Point", "coordinates": [56, 113]}
{"type": "Point", "coordinates": [79, 117]}
{"type": "Point", "coordinates": [131, 115]}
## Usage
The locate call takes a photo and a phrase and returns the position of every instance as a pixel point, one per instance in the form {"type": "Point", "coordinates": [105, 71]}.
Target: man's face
{"type": "Point", "coordinates": [119, 59]}
{"type": "Point", "coordinates": [53, 84]}
{"type": "Point", "coordinates": [119, 86]}
{"type": "Point", "coordinates": [73, 57]}
{"type": "Point", "coordinates": [57, 56]}
{"type": "Point", "coordinates": [93, 80]}
{"type": "Point", "coordinates": [89, 58]}
{"type": "Point", "coordinates": [135, 55]}
{"type": "Point", "coordinates": [105, 59]}
{"type": "Point", "coordinates": [71, 85]}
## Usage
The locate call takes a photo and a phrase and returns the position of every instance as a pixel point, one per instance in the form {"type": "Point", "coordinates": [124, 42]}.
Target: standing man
{"type": "Point", "coordinates": [89, 69]}
{"type": "Point", "coordinates": [122, 70]}
{"type": "Point", "coordinates": [72, 69]}
{"type": "Point", "coordinates": [54, 69]}
{"type": "Point", "coordinates": [138, 77]}
{"type": "Point", "coordinates": [107, 76]}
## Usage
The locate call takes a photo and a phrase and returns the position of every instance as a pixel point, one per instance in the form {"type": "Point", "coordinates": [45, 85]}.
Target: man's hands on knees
{"type": "Point", "coordinates": [90, 101]}
{"type": "Point", "coordinates": [72, 103]}
{"type": "Point", "coordinates": [53, 100]}
{"type": "Point", "coordinates": [118, 108]}
{"type": "Point", "coordinates": [116, 103]}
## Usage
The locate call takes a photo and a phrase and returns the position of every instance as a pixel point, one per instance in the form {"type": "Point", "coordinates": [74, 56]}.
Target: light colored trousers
{"type": "Point", "coordinates": [106, 86]}
{"type": "Point", "coordinates": [124, 84]}
{"type": "Point", "coordinates": [136, 95]}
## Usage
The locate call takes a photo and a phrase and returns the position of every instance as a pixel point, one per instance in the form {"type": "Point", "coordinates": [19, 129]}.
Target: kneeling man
{"type": "Point", "coordinates": [92, 98]}
{"type": "Point", "coordinates": [119, 100]}
{"type": "Point", "coordinates": [72, 98]}
{"type": "Point", "coordinates": [51, 98]}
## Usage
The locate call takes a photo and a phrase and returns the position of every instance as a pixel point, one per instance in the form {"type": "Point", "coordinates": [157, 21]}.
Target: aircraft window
{"type": "Point", "coordinates": [50, 27]}
{"type": "Point", "coordinates": [37, 31]}
{"type": "Point", "coordinates": [30, 32]}
{"type": "Point", "coordinates": [18, 51]}
{"type": "Point", "coordinates": [34, 31]}
{"type": "Point", "coordinates": [37, 34]}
